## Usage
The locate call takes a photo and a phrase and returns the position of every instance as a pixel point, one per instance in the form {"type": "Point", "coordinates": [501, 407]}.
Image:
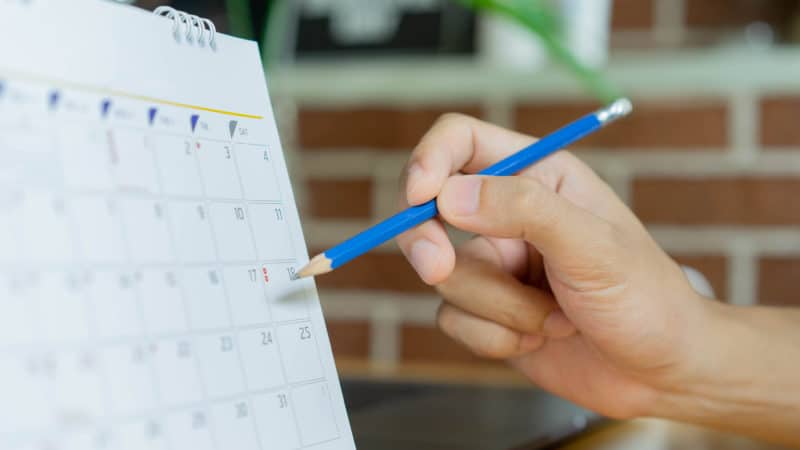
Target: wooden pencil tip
{"type": "Point", "coordinates": [318, 265]}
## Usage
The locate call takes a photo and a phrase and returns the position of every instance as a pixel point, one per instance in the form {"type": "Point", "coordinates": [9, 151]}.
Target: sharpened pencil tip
{"type": "Point", "coordinates": [318, 265]}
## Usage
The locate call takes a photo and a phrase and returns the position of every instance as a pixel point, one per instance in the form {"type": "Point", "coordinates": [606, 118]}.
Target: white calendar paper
{"type": "Point", "coordinates": [148, 243]}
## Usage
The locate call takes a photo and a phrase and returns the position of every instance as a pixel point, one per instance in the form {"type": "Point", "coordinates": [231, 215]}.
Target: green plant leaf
{"type": "Point", "coordinates": [539, 18]}
{"type": "Point", "coordinates": [239, 18]}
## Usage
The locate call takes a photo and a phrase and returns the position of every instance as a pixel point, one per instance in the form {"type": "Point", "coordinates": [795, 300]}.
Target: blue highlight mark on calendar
{"type": "Point", "coordinates": [194, 120]}
{"type": "Point", "coordinates": [151, 115]}
{"type": "Point", "coordinates": [105, 106]}
{"type": "Point", "coordinates": [53, 98]}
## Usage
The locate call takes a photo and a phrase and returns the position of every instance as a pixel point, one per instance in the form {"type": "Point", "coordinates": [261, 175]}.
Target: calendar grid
{"type": "Point", "coordinates": [227, 299]}
{"type": "Point", "coordinates": [105, 282]}
{"type": "Point", "coordinates": [56, 155]}
{"type": "Point", "coordinates": [259, 437]}
{"type": "Point", "coordinates": [203, 389]}
{"type": "Point", "coordinates": [90, 317]}
{"type": "Point", "coordinates": [277, 336]}
{"type": "Point", "coordinates": [144, 333]}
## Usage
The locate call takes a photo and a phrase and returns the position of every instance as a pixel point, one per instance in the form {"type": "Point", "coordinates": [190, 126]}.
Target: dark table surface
{"type": "Point", "coordinates": [435, 416]}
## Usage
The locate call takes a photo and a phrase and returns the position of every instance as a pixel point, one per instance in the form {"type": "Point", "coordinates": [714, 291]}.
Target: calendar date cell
{"type": "Point", "coordinates": [299, 351]}
{"type": "Point", "coordinates": [219, 365]}
{"type": "Point", "coordinates": [233, 426]}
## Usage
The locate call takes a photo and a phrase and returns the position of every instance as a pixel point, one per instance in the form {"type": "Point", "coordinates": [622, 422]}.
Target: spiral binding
{"type": "Point", "coordinates": [194, 28]}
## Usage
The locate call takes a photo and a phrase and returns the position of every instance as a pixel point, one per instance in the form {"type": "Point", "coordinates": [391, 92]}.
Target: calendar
{"type": "Point", "coordinates": [148, 242]}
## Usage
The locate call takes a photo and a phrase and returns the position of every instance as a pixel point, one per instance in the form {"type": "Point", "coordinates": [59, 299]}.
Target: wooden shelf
{"type": "Point", "coordinates": [428, 372]}
{"type": "Point", "coordinates": [674, 73]}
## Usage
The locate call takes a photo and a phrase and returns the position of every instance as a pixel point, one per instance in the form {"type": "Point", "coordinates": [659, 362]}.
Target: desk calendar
{"type": "Point", "coordinates": [148, 242]}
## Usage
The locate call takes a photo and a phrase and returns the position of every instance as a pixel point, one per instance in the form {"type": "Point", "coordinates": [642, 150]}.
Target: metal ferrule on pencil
{"type": "Point", "coordinates": [619, 108]}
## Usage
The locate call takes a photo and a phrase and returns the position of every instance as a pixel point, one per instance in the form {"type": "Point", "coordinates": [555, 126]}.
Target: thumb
{"type": "Point", "coordinates": [524, 208]}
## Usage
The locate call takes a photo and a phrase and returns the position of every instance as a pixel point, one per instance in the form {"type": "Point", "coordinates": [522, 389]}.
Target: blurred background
{"type": "Point", "coordinates": [710, 160]}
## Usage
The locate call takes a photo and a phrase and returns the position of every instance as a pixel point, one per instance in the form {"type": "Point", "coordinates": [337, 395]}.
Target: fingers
{"type": "Point", "coordinates": [487, 308]}
{"type": "Point", "coordinates": [558, 326]}
{"type": "Point", "coordinates": [510, 255]}
{"type": "Point", "coordinates": [427, 247]}
{"type": "Point", "coordinates": [456, 143]}
{"type": "Point", "coordinates": [483, 337]}
{"type": "Point", "coordinates": [480, 286]}
{"type": "Point", "coordinates": [521, 207]}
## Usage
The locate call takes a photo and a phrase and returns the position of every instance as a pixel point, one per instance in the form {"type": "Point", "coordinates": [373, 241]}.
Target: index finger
{"type": "Point", "coordinates": [456, 143]}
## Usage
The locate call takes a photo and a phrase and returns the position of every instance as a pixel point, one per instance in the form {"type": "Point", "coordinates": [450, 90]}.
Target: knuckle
{"type": "Point", "coordinates": [526, 319]}
{"type": "Point", "coordinates": [507, 317]}
{"type": "Point", "coordinates": [568, 160]}
{"type": "Point", "coordinates": [522, 315]}
{"type": "Point", "coordinates": [451, 118]}
{"type": "Point", "coordinates": [531, 197]}
{"type": "Point", "coordinates": [444, 318]}
{"type": "Point", "coordinates": [498, 344]}
{"type": "Point", "coordinates": [448, 288]}
{"type": "Point", "coordinates": [527, 193]}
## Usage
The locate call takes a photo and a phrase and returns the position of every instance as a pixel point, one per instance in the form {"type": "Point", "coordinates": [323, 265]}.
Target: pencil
{"type": "Point", "coordinates": [370, 238]}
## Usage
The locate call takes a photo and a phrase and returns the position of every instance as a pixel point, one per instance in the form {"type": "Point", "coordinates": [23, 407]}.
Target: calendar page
{"type": "Point", "coordinates": [148, 244]}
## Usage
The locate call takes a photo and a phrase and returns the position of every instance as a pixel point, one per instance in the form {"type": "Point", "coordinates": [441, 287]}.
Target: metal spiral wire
{"type": "Point", "coordinates": [193, 28]}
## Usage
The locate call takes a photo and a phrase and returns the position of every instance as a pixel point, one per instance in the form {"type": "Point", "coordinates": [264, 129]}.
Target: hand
{"type": "Point", "coordinates": [561, 279]}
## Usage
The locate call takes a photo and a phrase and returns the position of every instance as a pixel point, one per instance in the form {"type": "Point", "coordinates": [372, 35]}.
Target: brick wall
{"type": "Point", "coordinates": [697, 23]}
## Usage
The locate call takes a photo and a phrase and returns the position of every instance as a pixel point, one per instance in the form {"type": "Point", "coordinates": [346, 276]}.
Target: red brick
{"type": "Point", "coordinates": [429, 344]}
{"type": "Point", "coordinates": [377, 271]}
{"type": "Point", "coordinates": [340, 199]}
{"type": "Point", "coordinates": [718, 201]}
{"type": "Point", "coordinates": [632, 14]}
{"type": "Point", "coordinates": [673, 124]}
{"type": "Point", "coordinates": [349, 338]}
{"type": "Point", "coordinates": [379, 127]}
{"type": "Point", "coordinates": [777, 281]}
{"type": "Point", "coordinates": [779, 118]}
{"type": "Point", "coordinates": [732, 13]}
{"type": "Point", "coordinates": [640, 40]}
{"type": "Point", "coordinates": [714, 267]}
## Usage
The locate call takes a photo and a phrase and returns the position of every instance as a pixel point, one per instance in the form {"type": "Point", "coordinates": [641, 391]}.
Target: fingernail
{"type": "Point", "coordinates": [557, 325]}
{"type": "Point", "coordinates": [415, 176]}
{"type": "Point", "coordinates": [424, 256]}
{"type": "Point", "coordinates": [462, 195]}
{"type": "Point", "coordinates": [530, 343]}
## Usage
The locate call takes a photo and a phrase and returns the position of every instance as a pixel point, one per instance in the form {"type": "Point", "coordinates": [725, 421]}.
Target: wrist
{"type": "Point", "coordinates": [701, 373]}
{"type": "Point", "coordinates": [741, 375]}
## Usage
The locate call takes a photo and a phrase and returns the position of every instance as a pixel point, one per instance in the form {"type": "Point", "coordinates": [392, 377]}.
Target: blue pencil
{"type": "Point", "coordinates": [388, 229]}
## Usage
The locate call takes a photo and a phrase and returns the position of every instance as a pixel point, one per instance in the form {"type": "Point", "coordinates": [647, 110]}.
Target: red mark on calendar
{"type": "Point", "coordinates": [266, 274]}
